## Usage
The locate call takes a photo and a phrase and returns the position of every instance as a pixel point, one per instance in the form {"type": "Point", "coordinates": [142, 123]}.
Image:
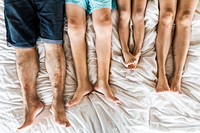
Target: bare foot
{"type": "Point", "coordinates": [128, 58]}
{"type": "Point", "coordinates": [105, 89]}
{"type": "Point", "coordinates": [136, 57]}
{"type": "Point", "coordinates": [58, 111]}
{"type": "Point", "coordinates": [81, 91]}
{"type": "Point", "coordinates": [175, 85]}
{"type": "Point", "coordinates": [34, 109]}
{"type": "Point", "coordinates": [162, 84]}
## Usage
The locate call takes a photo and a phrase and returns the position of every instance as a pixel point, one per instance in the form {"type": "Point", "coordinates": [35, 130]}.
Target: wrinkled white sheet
{"type": "Point", "coordinates": [142, 110]}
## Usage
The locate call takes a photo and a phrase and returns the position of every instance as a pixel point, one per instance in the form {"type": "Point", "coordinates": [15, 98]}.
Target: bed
{"type": "Point", "coordinates": [142, 110]}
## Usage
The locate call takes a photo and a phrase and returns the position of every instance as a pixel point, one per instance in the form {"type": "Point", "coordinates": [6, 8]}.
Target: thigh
{"type": "Point", "coordinates": [100, 4]}
{"type": "Point", "coordinates": [51, 18]}
{"type": "Point", "coordinates": [124, 5]}
{"type": "Point", "coordinates": [20, 20]}
{"type": "Point", "coordinates": [187, 7]}
{"type": "Point", "coordinates": [168, 6]}
{"type": "Point", "coordinates": [80, 3]}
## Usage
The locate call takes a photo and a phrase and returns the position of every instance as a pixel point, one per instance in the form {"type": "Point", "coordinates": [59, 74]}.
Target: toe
{"type": "Point", "coordinates": [25, 126]}
{"type": "Point", "coordinates": [61, 122]}
{"type": "Point", "coordinates": [158, 90]}
{"type": "Point", "coordinates": [172, 89]}
{"type": "Point", "coordinates": [70, 104]}
{"type": "Point", "coordinates": [132, 67]}
{"type": "Point", "coordinates": [68, 124]}
{"type": "Point", "coordinates": [73, 102]}
{"type": "Point", "coordinates": [129, 67]}
{"type": "Point", "coordinates": [114, 100]}
{"type": "Point", "coordinates": [166, 89]}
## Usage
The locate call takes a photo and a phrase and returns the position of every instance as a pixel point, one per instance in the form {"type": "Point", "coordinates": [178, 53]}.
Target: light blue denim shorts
{"type": "Point", "coordinates": [91, 5]}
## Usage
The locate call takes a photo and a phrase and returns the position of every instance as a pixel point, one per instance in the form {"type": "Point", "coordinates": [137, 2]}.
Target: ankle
{"type": "Point", "coordinates": [58, 99]}
{"type": "Point", "coordinates": [33, 104]}
{"type": "Point", "coordinates": [125, 50]}
{"type": "Point", "coordinates": [29, 99]}
{"type": "Point", "coordinates": [102, 82]}
{"type": "Point", "coordinates": [137, 52]}
{"type": "Point", "coordinates": [83, 82]}
{"type": "Point", "coordinates": [177, 74]}
{"type": "Point", "coordinates": [161, 74]}
{"type": "Point", "coordinates": [177, 77]}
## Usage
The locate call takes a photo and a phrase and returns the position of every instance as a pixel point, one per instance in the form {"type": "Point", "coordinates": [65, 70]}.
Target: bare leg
{"type": "Point", "coordinates": [103, 24]}
{"type": "Point", "coordinates": [163, 40]}
{"type": "Point", "coordinates": [138, 12]}
{"type": "Point", "coordinates": [55, 64]}
{"type": "Point", "coordinates": [27, 70]}
{"type": "Point", "coordinates": [76, 29]}
{"type": "Point", "coordinates": [124, 9]}
{"type": "Point", "coordinates": [186, 9]}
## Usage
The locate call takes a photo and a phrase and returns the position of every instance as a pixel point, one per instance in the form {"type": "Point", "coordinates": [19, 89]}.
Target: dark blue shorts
{"type": "Point", "coordinates": [28, 20]}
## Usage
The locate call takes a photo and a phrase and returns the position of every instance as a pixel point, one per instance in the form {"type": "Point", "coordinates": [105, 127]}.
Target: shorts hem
{"type": "Point", "coordinates": [19, 47]}
{"type": "Point", "coordinates": [49, 41]}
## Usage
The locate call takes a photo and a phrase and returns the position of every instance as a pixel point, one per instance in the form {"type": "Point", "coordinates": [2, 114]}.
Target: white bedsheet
{"type": "Point", "coordinates": [142, 109]}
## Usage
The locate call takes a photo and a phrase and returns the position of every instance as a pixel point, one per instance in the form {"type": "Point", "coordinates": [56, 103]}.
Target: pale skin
{"type": "Point", "coordinates": [77, 27]}
{"type": "Point", "coordinates": [135, 10]}
{"type": "Point", "coordinates": [27, 69]}
{"type": "Point", "coordinates": [184, 14]}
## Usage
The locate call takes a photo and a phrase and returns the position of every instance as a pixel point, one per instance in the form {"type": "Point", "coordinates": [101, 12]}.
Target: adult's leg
{"type": "Point", "coordinates": [55, 64]}
{"type": "Point", "coordinates": [124, 10]}
{"type": "Point", "coordinates": [27, 70]}
{"type": "Point", "coordinates": [138, 12]}
{"type": "Point", "coordinates": [76, 16]}
{"type": "Point", "coordinates": [103, 24]}
{"type": "Point", "coordinates": [186, 9]}
{"type": "Point", "coordinates": [163, 40]}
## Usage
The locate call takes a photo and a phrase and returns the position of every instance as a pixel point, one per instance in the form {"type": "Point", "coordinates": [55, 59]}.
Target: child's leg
{"type": "Point", "coordinates": [124, 10]}
{"type": "Point", "coordinates": [76, 16]}
{"type": "Point", "coordinates": [186, 9]}
{"type": "Point", "coordinates": [163, 40]}
{"type": "Point", "coordinates": [103, 29]}
{"type": "Point", "coordinates": [138, 12]}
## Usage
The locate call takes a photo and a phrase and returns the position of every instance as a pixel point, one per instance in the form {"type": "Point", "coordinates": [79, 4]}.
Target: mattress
{"type": "Point", "coordinates": [141, 109]}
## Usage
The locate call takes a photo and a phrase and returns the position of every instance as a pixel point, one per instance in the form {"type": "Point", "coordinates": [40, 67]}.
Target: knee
{"type": "Point", "coordinates": [75, 25]}
{"type": "Point", "coordinates": [167, 17]}
{"type": "Point", "coordinates": [138, 15]}
{"type": "Point", "coordinates": [124, 16]}
{"type": "Point", "coordinates": [105, 20]}
{"type": "Point", "coordinates": [184, 18]}
{"type": "Point", "coordinates": [103, 24]}
{"type": "Point", "coordinates": [73, 22]}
